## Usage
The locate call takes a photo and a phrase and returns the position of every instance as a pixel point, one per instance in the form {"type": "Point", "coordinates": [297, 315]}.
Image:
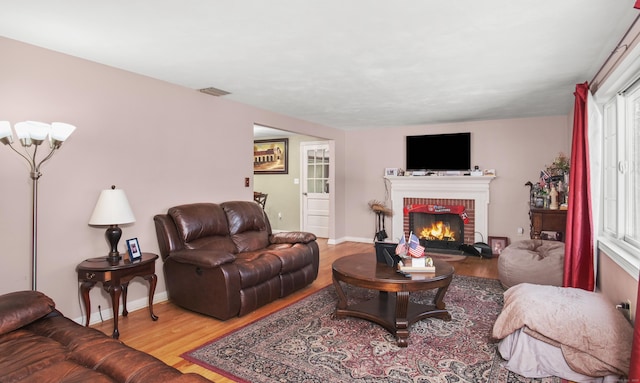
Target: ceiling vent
{"type": "Point", "coordinates": [214, 91]}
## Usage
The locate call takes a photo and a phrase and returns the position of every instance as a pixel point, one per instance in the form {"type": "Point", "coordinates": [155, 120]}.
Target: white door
{"type": "Point", "coordinates": [316, 188]}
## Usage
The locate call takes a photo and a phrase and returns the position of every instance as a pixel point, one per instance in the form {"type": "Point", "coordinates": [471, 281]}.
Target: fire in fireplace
{"type": "Point", "coordinates": [438, 227]}
{"type": "Point", "coordinates": [438, 231]}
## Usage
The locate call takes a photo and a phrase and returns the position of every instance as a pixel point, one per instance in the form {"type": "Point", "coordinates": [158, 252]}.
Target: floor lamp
{"type": "Point", "coordinates": [31, 135]}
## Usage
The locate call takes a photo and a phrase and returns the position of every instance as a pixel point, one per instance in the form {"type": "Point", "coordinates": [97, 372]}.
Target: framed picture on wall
{"type": "Point", "coordinates": [271, 156]}
{"type": "Point", "coordinates": [498, 244]}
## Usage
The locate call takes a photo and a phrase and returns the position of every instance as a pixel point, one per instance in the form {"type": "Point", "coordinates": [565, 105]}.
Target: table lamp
{"type": "Point", "coordinates": [112, 209]}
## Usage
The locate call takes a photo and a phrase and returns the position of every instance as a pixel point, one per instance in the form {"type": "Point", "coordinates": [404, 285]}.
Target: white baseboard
{"type": "Point", "coordinates": [107, 313]}
{"type": "Point", "coordinates": [358, 239]}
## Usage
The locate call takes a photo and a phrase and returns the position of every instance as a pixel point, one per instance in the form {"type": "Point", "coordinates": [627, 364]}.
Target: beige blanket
{"type": "Point", "coordinates": [594, 337]}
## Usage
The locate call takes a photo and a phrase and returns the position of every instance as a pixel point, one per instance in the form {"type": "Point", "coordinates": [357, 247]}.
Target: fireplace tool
{"type": "Point", "coordinates": [381, 212]}
{"type": "Point", "coordinates": [381, 234]}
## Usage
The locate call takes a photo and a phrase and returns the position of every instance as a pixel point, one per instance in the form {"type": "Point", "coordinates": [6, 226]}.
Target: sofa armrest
{"type": "Point", "coordinates": [292, 237]}
{"type": "Point", "coordinates": [203, 258]}
{"type": "Point", "coordinates": [168, 238]}
{"type": "Point", "coordinates": [20, 308]}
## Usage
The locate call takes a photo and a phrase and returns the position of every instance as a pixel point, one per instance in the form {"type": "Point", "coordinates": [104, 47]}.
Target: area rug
{"type": "Point", "coordinates": [302, 343]}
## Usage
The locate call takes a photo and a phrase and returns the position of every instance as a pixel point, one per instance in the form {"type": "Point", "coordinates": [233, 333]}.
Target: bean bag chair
{"type": "Point", "coordinates": [566, 332]}
{"type": "Point", "coordinates": [532, 261]}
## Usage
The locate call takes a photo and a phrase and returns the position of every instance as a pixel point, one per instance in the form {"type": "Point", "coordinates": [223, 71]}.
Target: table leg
{"type": "Point", "coordinates": [439, 302]}
{"type": "Point", "coordinates": [153, 279]}
{"type": "Point", "coordinates": [125, 289]}
{"type": "Point", "coordinates": [342, 298]}
{"type": "Point", "coordinates": [115, 291]}
{"type": "Point", "coordinates": [85, 287]}
{"type": "Point", "coordinates": [402, 322]}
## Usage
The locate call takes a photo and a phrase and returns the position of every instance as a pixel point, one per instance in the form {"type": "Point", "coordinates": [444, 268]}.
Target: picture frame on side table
{"type": "Point", "coordinates": [498, 244]}
{"type": "Point", "coordinates": [133, 248]}
{"type": "Point", "coordinates": [271, 156]}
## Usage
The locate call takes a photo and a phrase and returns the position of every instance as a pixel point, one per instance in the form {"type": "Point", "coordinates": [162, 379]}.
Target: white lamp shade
{"type": "Point", "coordinates": [33, 129]}
{"type": "Point", "coordinates": [112, 208]}
{"type": "Point", "coordinates": [22, 130]}
{"type": "Point", "coordinates": [60, 131]}
{"type": "Point", "coordinates": [5, 130]}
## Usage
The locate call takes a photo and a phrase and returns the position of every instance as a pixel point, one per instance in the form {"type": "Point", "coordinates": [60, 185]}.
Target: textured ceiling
{"type": "Point", "coordinates": [345, 63]}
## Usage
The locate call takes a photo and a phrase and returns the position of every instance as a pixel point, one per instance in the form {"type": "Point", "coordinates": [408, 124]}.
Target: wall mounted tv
{"type": "Point", "coordinates": [439, 152]}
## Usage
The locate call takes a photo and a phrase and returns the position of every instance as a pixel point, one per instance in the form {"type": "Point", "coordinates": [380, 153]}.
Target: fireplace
{"type": "Point", "coordinates": [438, 226]}
{"type": "Point", "coordinates": [470, 192]}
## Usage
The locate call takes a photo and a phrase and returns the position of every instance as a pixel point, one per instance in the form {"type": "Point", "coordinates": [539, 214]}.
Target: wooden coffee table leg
{"type": "Point", "coordinates": [342, 299]}
{"type": "Point", "coordinates": [402, 322]}
{"type": "Point", "coordinates": [439, 303]}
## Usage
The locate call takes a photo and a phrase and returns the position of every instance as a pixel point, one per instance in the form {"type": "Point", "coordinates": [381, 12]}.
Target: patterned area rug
{"type": "Point", "coordinates": [302, 343]}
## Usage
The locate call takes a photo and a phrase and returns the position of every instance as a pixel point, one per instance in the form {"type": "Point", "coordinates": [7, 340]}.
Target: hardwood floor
{"type": "Point", "coordinates": [178, 330]}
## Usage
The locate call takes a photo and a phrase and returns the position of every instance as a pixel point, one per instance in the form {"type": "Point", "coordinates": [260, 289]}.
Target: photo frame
{"type": "Point", "coordinates": [133, 248]}
{"type": "Point", "coordinates": [271, 156]}
{"type": "Point", "coordinates": [498, 244]}
{"type": "Point", "coordinates": [551, 235]}
{"type": "Point", "coordinates": [391, 171]}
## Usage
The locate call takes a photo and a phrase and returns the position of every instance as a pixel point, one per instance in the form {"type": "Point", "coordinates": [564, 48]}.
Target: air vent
{"type": "Point", "coordinates": [214, 91]}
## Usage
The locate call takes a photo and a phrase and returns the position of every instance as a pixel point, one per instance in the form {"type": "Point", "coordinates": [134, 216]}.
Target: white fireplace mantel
{"type": "Point", "coordinates": [451, 187]}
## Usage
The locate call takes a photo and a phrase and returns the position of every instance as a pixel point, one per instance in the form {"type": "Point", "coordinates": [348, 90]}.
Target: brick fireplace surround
{"type": "Point", "coordinates": [471, 192]}
{"type": "Point", "coordinates": [469, 205]}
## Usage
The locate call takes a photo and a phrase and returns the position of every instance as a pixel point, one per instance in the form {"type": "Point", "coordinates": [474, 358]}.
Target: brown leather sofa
{"type": "Point", "coordinates": [223, 260]}
{"type": "Point", "coordinates": [39, 344]}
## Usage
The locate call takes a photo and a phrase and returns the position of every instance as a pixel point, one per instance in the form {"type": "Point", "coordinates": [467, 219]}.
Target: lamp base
{"type": "Point", "coordinates": [113, 259]}
{"type": "Point", "coordinates": [113, 235]}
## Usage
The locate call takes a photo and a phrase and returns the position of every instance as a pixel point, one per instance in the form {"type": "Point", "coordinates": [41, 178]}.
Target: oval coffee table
{"type": "Point", "coordinates": [395, 312]}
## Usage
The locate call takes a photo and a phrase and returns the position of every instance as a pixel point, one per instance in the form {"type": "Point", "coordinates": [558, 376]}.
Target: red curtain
{"type": "Point", "coordinates": [578, 259]}
{"type": "Point", "coordinates": [637, 4]}
{"type": "Point", "coordinates": [634, 371]}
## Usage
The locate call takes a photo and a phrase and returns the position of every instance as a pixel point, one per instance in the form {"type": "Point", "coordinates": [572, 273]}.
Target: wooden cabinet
{"type": "Point", "coordinates": [547, 220]}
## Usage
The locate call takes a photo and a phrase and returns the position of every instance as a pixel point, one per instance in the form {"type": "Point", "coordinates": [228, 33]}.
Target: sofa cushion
{"type": "Point", "coordinates": [247, 225]}
{"type": "Point", "coordinates": [203, 258]}
{"type": "Point", "coordinates": [292, 237]}
{"type": "Point", "coordinates": [257, 267]}
{"type": "Point", "coordinates": [21, 308]}
{"type": "Point", "coordinates": [292, 257]}
{"type": "Point", "coordinates": [102, 358]}
{"type": "Point", "coordinates": [202, 226]}
{"type": "Point", "coordinates": [29, 353]}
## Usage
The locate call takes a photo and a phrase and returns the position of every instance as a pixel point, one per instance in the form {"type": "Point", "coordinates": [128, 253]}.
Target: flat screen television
{"type": "Point", "coordinates": [439, 152]}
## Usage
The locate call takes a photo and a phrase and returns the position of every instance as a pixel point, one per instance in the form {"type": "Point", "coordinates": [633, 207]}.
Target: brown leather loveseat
{"type": "Point", "coordinates": [39, 344]}
{"type": "Point", "coordinates": [223, 260]}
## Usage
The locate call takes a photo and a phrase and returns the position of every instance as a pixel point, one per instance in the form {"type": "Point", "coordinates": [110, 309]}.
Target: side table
{"type": "Point", "coordinates": [115, 280]}
{"type": "Point", "coordinates": [547, 219]}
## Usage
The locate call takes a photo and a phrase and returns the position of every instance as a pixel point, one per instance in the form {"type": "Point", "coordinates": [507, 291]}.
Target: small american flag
{"type": "Point", "coordinates": [544, 176]}
{"type": "Point", "coordinates": [402, 246]}
{"type": "Point", "coordinates": [415, 250]}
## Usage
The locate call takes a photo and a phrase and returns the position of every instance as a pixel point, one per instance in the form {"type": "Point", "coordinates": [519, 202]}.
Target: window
{"type": "Point", "coordinates": [629, 165]}
{"type": "Point", "coordinates": [620, 231]}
